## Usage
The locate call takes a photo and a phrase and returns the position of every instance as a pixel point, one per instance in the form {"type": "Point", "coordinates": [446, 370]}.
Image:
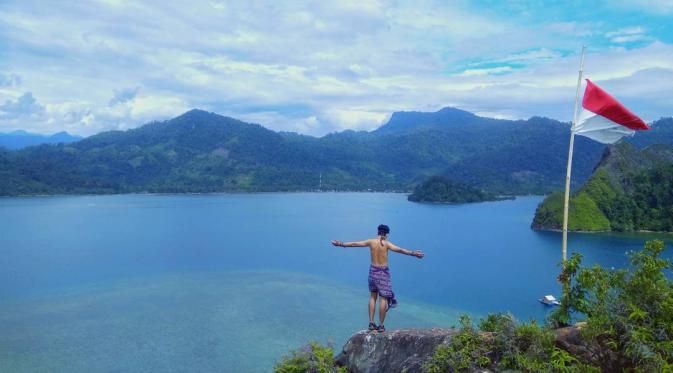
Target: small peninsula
{"type": "Point", "coordinates": [630, 190]}
{"type": "Point", "coordinates": [438, 189]}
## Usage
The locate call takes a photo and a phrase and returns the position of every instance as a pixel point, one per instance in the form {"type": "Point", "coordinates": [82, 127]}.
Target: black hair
{"type": "Point", "coordinates": [383, 229]}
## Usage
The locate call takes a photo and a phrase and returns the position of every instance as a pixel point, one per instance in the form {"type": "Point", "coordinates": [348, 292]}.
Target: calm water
{"type": "Point", "coordinates": [231, 282]}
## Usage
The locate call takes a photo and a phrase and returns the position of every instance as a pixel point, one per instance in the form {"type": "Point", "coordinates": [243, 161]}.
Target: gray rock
{"type": "Point", "coordinates": [402, 350]}
{"type": "Point", "coordinates": [569, 338]}
{"type": "Point", "coordinates": [406, 350]}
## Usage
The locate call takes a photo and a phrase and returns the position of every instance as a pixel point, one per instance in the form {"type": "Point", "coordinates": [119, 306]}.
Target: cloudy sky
{"type": "Point", "coordinates": [316, 67]}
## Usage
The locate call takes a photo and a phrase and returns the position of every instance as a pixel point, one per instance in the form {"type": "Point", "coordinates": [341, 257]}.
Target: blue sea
{"type": "Point", "coordinates": [232, 282]}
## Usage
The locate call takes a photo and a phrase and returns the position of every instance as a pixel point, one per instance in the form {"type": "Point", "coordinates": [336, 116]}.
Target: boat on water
{"type": "Point", "coordinates": [549, 300]}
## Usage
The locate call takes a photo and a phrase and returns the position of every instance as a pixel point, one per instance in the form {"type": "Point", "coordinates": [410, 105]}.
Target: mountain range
{"type": "Point", "coordinates": [200, 151]}
{"type": "Point", "coordinates": [21, 139]}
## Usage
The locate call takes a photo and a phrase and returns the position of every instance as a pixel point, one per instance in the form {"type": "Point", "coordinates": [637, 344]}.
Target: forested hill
{"type": "Point", "coordinates": [205, 152]}
{"type": "Point", "coordinates": [630, 190]}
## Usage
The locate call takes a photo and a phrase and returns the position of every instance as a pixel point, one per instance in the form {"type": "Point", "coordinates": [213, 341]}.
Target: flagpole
{"type": "Point", "coordinates": [570, 160]}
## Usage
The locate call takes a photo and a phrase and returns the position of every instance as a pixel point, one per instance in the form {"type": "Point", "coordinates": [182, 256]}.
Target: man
{"type": "Point", "coordinates": [379, 276]}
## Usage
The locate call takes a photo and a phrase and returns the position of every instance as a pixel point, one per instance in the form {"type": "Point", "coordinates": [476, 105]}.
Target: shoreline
{"type": "Point", "coordinates": [195, 193]}
{"type": "Point", "coordinates": [252, 192]}
{"type": "Point", "coordinates": [497, 199]}
{"type": "Point", "coordinates": [605, 231]}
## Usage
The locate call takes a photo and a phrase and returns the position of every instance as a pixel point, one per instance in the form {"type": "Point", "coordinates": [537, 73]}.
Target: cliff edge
{"type": "Point", "coordinates": [393, 351]}
{"type": "Point", "coordinates": [406, 350]}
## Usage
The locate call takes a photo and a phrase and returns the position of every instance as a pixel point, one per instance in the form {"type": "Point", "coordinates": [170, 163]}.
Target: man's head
{"type": "Point", "coordinates": [383, 230]}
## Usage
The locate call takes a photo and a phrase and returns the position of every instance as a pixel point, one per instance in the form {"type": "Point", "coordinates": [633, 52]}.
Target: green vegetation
{"type": "Point", "coordinates": [438, 189]}
{"type": "Point", "coordinates": [502, 344]}
{"type": "Point", "coordinates": [467, 350]}
{"type": "Point", "coordinates": [312, 358]}
{"type": "Point", "coordinates": [629, 191]}
{"type": "Point", "coordinates": [628, 313]}
{"type": "Point", "coordinates": [628, 325]}
{"type": "Point", "coordinates": [583, 214]}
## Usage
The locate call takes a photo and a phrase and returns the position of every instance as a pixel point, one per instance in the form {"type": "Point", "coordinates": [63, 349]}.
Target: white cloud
{"type": "Point", "coordinates": [488, 71]}
{"type": "Point", "coordinates": [123, 95]}
{"type": "Point", "coordinates": [310, 125]}
{"type": "Point", "coordinates": [26, 106]}
{"type": "Point", "coordinates": [354, 119]}
{"type": "Point", "coordinates": [9, 80]}
{"type": "Point", "coordinates": [627, 35]}
{"type": "Point", "coordinates": [533, 55]}
{"type": "Point", "coordinates": [573, 29]}
{"type": "Point", "coordinates": [626, 31]}
{"type": "Point", "coordinates": [313, 68]}
{"type": "Point", "coordinates": [649, 6]}
{"type": "Point", "coordinates": [160, 107]}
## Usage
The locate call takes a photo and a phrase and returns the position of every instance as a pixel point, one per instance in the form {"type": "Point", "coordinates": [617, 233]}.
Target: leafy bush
{"type": "Point", "coordinates": [312, 358]}
{"type": "Point", "coordinates": [468, 350]}
{"type": "Point", "coordinates": [502, 344]}
{"type": "Point", "coordinates": [628, 316]}
{"type": "Point", "coordinates": [628, 313]}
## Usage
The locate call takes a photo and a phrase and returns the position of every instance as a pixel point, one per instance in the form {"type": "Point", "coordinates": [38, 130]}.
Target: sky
{"type": "Point", "coordinates": [316, 67]}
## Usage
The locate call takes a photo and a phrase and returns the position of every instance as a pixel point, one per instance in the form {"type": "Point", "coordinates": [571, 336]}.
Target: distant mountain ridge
{"type": "Point", "coordinates": [200, 151]}
{"type": "Point", "coordinates": [21, 139]}
{"type": "Point", "coordinates": [411, 121]}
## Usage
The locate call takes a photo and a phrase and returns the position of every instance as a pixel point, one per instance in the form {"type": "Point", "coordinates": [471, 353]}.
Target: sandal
{"type": "Point", "coordinates": [381, 328]}
{"type": "Point", "coordinates": [373, 327]}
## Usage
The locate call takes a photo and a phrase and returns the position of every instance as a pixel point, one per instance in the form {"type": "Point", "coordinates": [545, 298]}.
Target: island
{"type": "Point", "coordinates": [439, 189]}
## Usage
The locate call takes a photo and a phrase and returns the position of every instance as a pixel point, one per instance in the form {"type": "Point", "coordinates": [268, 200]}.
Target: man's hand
{"type": "Point", "coordinates": [418, 253]}
{"type": "Point", "coordinates": [337, 243]}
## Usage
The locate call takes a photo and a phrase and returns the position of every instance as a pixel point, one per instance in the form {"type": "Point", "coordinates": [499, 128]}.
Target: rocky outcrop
{"type": "Point", "coordinates": [406, 350]}
{"type": "Point", "coordinates": [569, 339]}
{"type": "Point", "coordinates": [402, 350]}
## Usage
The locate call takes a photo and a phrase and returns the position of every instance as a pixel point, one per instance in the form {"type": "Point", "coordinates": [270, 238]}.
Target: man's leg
{"type": "Point", "coordinates": [383, 308]}
{"type": "Point", "coordinates": [372, 305]}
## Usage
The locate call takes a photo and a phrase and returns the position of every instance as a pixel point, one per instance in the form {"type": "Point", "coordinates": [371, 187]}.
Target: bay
{"type": "Point", "coordinates": [232, 281]}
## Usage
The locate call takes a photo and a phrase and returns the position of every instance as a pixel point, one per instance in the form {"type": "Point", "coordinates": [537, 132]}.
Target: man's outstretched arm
{"type": "Point", "coordinates": [417, 253]}
{"type": "Point", "coordinates": [351, 244]}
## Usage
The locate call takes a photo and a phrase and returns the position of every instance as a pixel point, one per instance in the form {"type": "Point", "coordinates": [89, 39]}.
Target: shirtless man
{"type": "Point", "coordinates": [379, 276]}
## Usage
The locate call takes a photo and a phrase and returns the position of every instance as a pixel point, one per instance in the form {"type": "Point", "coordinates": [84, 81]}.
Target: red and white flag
{"type": "Point", "coordinates": [604, 119]}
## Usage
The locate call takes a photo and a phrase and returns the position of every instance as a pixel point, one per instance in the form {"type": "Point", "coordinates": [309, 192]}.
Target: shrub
{"type": "Point", "coordinates": [628, 313]}
{"type": "Point", "coordinates": [312, 358]}
{"type": "Point", "coordinates": [502, 344]}
{"type": "Point", "coordinates": [468, 350]}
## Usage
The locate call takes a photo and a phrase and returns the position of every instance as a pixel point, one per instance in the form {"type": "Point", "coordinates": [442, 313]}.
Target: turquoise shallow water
{"type": "Point", "coordinates": [232, 282]}
{"type": "Point", "coordinates": [235, 321]}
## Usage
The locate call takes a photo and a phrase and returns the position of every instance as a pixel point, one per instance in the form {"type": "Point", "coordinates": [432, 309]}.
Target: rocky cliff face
{"type": "Point", "coordinates": [405, 350]}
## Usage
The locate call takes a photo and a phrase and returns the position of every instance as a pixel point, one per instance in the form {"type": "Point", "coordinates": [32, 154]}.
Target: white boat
{"type": "Point", "coordinates": [549, 300]}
